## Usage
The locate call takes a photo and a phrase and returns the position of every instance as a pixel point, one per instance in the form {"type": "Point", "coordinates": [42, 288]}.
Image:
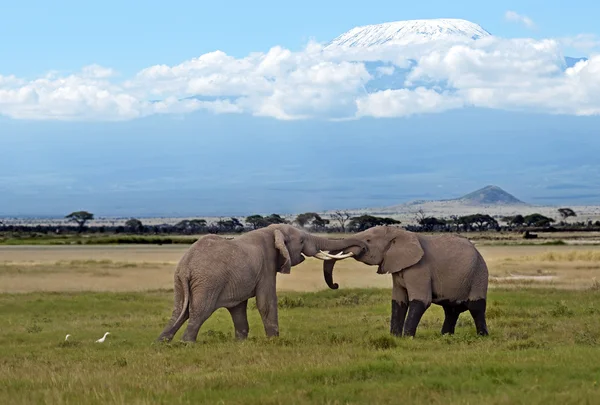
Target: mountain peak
{"type": "Point", "coordinates": [490, 195]}
{"type": "Point", "coordinates": [409, 32]}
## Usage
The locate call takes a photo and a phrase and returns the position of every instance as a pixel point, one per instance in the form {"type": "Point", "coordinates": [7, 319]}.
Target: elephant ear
{"type": "Point", "coordinates": [283, 262]}
{"type": "Point", "coordinates": [403, 251]}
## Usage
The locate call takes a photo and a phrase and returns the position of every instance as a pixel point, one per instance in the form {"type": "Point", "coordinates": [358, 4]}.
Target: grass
{"type": "Point", "coordinates": [334, 348]}
{"type": "Point", "coordinates": [568, 256]}
{"type": "Point", "coordinates": [115, 268]}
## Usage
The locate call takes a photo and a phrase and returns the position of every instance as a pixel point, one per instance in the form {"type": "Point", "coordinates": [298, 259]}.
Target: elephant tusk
{"type": "Point", "coordinates": [338, 256]}
{"type": "Point", "coordinates": [343, 256]}
{"type": "Point", "coordinates": [322, 256]}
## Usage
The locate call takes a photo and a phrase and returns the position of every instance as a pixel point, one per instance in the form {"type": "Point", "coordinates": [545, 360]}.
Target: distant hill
{"type": "Point", "coordinates": [490, 199]}
{"type": "Point", "coordinates": [489, 195]}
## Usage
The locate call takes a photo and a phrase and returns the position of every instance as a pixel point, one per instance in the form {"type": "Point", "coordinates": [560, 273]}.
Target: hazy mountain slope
{"type": "Point", "coordinates": [489, 195]}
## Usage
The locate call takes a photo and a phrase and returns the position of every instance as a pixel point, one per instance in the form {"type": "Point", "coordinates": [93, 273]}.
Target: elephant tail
{"type": "Point", "coordinates": [186, 301]}
{"type": "Point", "coordinates": [171, 329]}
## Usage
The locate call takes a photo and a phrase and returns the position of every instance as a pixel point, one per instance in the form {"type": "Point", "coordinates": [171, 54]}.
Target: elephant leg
{"type": "Point", "coordinates": [418, 287]}
{"type": "Point", "coordinates": [266, 302]}
{"type": "Point", "coordinates": [240, 320]}
{"type": "Point", "coordinates": [200, 310]}
{"type": "Point", "coordinates": [451, 313]}
{"type": "Point", "coordinates": [416, 309]}
{"type": "Point", "coordinates": [399, 308]}
{"type": "Point", "coordinates": [477, 310]}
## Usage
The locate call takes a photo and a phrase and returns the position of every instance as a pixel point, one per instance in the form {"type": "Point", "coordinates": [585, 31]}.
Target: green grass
{"type": "Point", "coordinates": [334, 348]}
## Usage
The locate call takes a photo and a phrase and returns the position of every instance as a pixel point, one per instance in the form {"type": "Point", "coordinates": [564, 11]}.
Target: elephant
{"type": "Point", "coordinates": [446, 270]}
{"type": "Point", "coordinates": [216, 272]}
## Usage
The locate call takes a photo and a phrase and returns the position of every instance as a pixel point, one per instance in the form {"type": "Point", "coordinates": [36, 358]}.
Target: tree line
{"type": "Point", "coordinates": [339, 221]}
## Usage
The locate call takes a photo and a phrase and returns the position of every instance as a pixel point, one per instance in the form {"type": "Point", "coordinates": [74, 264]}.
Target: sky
{"type": "Point", "coordinates": [191, 108]}
{"type": "Point", "coordinates": [129, 36]}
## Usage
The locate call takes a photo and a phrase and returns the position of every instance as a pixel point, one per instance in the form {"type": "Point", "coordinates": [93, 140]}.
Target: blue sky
{"type": "Point", "coordinates": [128, 36]}
{"type": "Point", "coordinates": [190, 108]}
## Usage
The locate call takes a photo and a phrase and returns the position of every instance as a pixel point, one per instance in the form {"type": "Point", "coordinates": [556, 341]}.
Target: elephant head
{"type": "Point", "coordinates": [294, 245]}
{"type": "Point", "coordinates": [392, 249]}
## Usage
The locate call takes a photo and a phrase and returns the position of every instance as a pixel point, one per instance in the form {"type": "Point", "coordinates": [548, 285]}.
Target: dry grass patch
{"type": "Point", "coordinates": [139, 268]}
{"type": "Point", "coordinates": [568, 256]}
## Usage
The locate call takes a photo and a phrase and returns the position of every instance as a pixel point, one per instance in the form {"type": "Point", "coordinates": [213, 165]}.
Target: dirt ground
{"type": "Point", "coordinates": [138, 268]}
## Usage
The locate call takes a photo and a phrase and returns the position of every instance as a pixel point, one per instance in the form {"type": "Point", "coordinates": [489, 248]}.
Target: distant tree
{"type": "Point", "coordinates": [275, 219]}
{"type": "Point", "coordinates": [537, 220]}
{"type": "Point", "coordinates": [134, 225]}
{"type": "Point", "coordinates": [429, 223]}
{"type": "Point", "coordinates": [319, 223]}
{"type": "Point", "coordinates": [313, 219]}
{"type": "Point", "coordinates": [80, 217]}
{"type": "Point", "coordinates": [230, 225]}
{"type": "Point", "coordinates": [304, 219]}
{"type": "Point", "coordinates": [515, 220]}
{"type": "Point", "coordinates": [420, 215]}
{"type": "Point", "coordinates": [190, 226]}
{"type": "Point", "coordinates": [566, 213]}
{"type": "Point", "coordinates": [257, 221]}
{"type": "Point", "coordinates": [363, 222]}
{"type": "Point", "coordinates": [482, 221]}
{"type": "Point", "coordinates": [453, 222]}
{"type": "Point", "coordinates": [341, 217]}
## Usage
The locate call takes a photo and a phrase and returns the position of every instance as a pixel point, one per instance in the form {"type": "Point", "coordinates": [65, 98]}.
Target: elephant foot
{"type": "Point", "coordinates": [273, 333]}
{"type": "Point", "coordinates": [241, 335]}
{"type": "Point", "coordinates": [164, 339]}
{"type": "Point", "coordinates": [190, 336]}
{"type": "Point", "coordinates": [477, 310]}
{"type": "Point", "coordinates": [398, 317]}
{"type": "Point", "coordinates": [451, 314]}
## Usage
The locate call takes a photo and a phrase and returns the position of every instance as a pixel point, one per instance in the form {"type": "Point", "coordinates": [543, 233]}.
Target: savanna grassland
{"type": "Point", "coordinates": [543, 316]}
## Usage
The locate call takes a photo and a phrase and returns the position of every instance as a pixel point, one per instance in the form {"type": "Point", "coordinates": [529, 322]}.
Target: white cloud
{"type": "Point", "coordinates": [330, 83]}
{"type": "Point", "coordinates": [516, 17]}
{"type": "Point", "coordinates": [404, 102]}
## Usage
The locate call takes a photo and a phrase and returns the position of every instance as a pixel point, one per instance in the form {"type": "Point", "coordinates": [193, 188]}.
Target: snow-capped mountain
{"type": "Point", "coordinates": [409, 32]}
{"type": "Point", "coordinates": [409, 36]}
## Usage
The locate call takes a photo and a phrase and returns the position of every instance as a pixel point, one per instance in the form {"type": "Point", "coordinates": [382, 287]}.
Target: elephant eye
{"type": "Point", "coordinates": [368, 240]}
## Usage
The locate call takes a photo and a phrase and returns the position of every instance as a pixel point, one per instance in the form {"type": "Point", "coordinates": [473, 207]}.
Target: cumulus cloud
{"type": "Point", "coordinates": [325, 82]}
{"type": "Point", "coordinates": [404, 102]}
{"type": "Point", "coordinates": [522, 19]}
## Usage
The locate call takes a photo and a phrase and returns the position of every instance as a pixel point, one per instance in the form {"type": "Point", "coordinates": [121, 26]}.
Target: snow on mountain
{"type": "Point", "coordinates": [409, 32]}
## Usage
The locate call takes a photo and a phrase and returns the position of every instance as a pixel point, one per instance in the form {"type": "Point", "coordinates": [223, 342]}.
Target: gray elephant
{"type": "Point", "coordinates": [216, 273]}
{"type": "Point", "coordinates": [446, 270]}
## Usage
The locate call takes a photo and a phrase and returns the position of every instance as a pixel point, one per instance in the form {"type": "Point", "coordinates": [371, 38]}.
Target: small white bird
{"type": "Point", "coordinates": [102, 338]}
{"type": "Point", "coordinates": [67, 337]}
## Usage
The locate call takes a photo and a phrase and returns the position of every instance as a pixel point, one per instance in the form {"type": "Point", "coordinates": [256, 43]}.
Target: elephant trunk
{"type": "Point", "coordinates": [334, 246]}
{"type": "Point", "coordinates": [328, 273]}
{"type": "Point", "coordinates": [357, 246]}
